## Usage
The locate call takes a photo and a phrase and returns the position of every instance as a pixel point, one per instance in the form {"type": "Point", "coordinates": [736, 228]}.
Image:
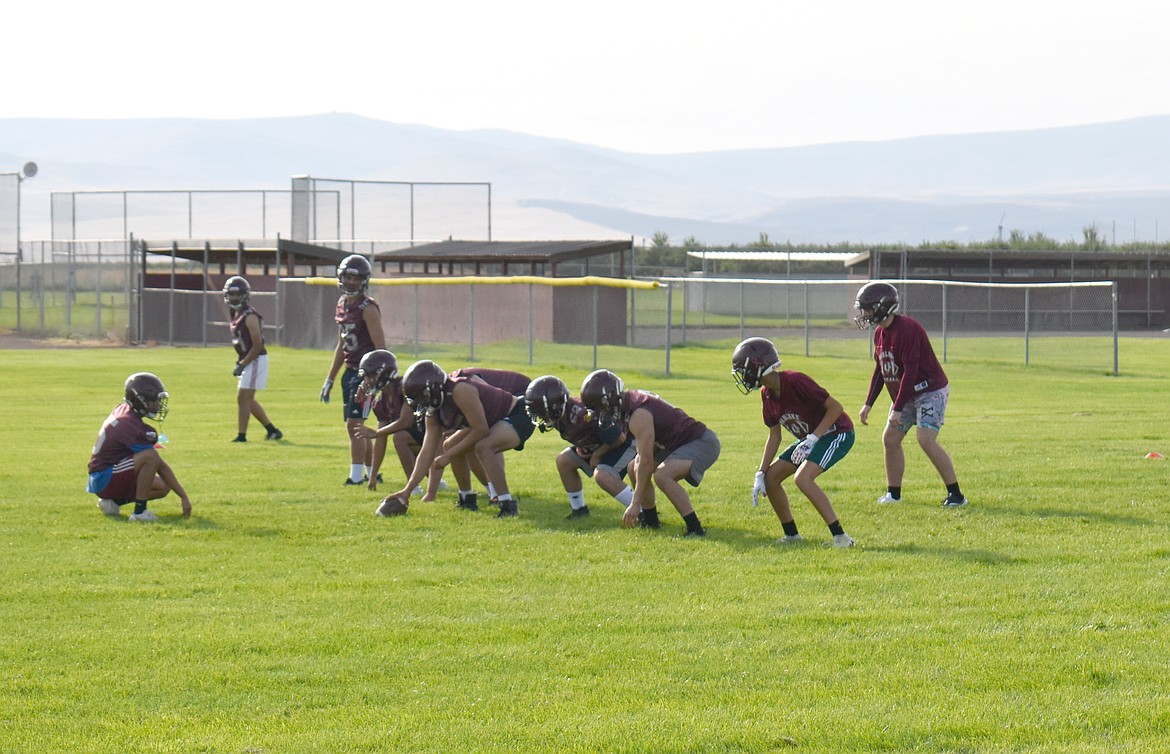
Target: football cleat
{"type": "Point", "coordinates": [581, 512]}
{"type": "Point", "coordinates": [700, 532]}
{"type": "Point", "coordinates": [239, 438]}
{"type": "Point", "coordinates": [146, 517]}
{"type": "Point", "coordinates": [275, 434]}
{"type": "Point", "coordinates": [887, 498]}
{"type": "Point", "coordinates": [468, 503]}
{"type": "Point", "coordinates": [648, 519]}
{"type": "Point", "coordinates": [508, 508]}
{"type": "Point", "coordinates": [954, 501]}
{"type": "Point", "coordinates": [109, 507]}
{"type": "Point", "coordinates": [790, 539]}
{"type": "Point", "coordinates": [351, 483]}
{"type": "Point", "coordinates": [842, 540]}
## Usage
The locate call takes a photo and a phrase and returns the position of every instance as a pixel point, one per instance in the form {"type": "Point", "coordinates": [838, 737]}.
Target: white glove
{"type": "Point", "coordinates": [325, 390]}
{"type": "Point", "coordinates": [805, 447]}
{"type": "Point", "coordinates": [758, 489]}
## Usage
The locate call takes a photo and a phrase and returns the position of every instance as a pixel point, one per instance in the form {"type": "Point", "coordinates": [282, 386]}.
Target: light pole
{"type": "Point", "coordinates": [28, 171]}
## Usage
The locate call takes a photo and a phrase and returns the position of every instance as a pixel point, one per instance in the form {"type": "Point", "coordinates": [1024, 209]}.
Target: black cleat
{"type": "Point", "coordinates": [700, 532]}
{"type": "Point", "coordinates": [468, 503]}
{"type": "Point", "coordinates": [648, 519]}
{"type": "Point", "coordinates": [954, 501]}
{"type": "Point", "coordinates": [240, 438]}
{"type": "Point", "coordinates": [275, 434]}
{"type": "Point", "coordinates": [581, 512]}
{"type": "Point", "coordinates": [351, 483]}
{"type": "Point", "coordinates": [508, 508]}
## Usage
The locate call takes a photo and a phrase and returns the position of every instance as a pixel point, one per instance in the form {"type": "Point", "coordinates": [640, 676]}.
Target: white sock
{"type": "Point", "coordinates": [491, 489]}
{"type": "Point", "coordinates": [577, 499]}
{"type": "Point", "coordinates": [505, 496]}
{"type": "Point", "coordinates": [625, 497]}
{"type": "Point", "coordinates": [367, 470]}
{"type": "Point", "coordinates": [464, 493]}
{"type": "Point", "coordinates": [355, 472]}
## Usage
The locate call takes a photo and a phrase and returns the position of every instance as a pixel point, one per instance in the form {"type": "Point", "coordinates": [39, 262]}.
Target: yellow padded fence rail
{"type": "Point", "coordinates": [588, 280]}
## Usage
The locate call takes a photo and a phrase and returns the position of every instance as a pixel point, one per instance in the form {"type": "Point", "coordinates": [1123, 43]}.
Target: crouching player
{"type": "Point", "coordinates": [125, 465]}
{"type": "Point", "coordinates": [823, 432]}
{"type": "Point", "coordinates": [603, 453]}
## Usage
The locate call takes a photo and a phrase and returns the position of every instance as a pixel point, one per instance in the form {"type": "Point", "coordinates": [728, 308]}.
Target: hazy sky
{"type": "Point", "coordinates": [646, 76]}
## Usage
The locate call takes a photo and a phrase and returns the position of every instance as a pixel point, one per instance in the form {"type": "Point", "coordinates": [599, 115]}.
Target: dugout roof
{"type": "Point", "coordinates": [1008, 264]}
{"type": "Point", "coordinates": [520, 255]}
{"type": "Point", "coordinates": [242, 253]}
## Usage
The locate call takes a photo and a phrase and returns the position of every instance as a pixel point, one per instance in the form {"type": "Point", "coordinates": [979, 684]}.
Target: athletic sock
{"type": "Point", "coordinates": [953, 489]}
{"type": "Point", "coordinates": [491, 490]}
{"type": "Point", "coordinates": [242, 437]}
{"type": "Point", "coordinates": [270, 427]}
{"type": "Point", "coordinates": [895, 492]}
{"type": "Point", "coordinates": [356, 470]}
{"type": "Point", "coordinates": [625, 497]}
{"type": "Point", "coordinates": [692, 520]}
{"type": "Point", "coordinates": [139, 506]}
{"type": "Point", "coordinates": [790, 529]}
{"type": "Point", "coordinates": [835, 528]}
{"type": "Point", "coordinates": [577, 500]}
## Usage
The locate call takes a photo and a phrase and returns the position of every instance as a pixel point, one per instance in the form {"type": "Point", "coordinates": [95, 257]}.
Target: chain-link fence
{"type": "Point", "coordinates": [170, 214]}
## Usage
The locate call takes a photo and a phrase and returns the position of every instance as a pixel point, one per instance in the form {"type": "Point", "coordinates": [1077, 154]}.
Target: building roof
{"type": "Point", "coordinates": [248, 251]}
{"type": "Point", "coordinates": [504, 251]}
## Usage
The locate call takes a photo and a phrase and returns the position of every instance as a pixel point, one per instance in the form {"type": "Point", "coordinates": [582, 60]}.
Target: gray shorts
{"type": "Point", "coordinates": [927, 410]}
{"type": "Point", "coordinates": [701, 453]}
{"type": "Point", "coordinates": [616, 461]}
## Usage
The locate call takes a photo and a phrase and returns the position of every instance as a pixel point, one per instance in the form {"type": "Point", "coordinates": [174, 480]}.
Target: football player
{"type": "Point", "coordinates": [359, 324]}
{"type": "Point", "coordinates": [493, 418]}
{"type": "Point", "coordinates": [823, 431]}
{"type": "Point", "coordinates": [462, 465]}
{"type": "Point", "coordinates": [671, 446]}
{"type": "Point", "coordinates": [125, 465]}
{"type": "Point", "coordinates": [906, 363]}
{"type": "Point", "coordinates": [251, 357]}
{"type": "Point", "coordinates": [603, 454]}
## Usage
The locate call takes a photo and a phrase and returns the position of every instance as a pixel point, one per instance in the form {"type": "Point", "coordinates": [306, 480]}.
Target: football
{"type": "Point", "coordinates": [392, 506]}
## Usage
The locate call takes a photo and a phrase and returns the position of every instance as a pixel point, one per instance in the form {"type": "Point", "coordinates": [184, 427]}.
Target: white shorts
{"type": "Point", "coordinates": [255, 376]}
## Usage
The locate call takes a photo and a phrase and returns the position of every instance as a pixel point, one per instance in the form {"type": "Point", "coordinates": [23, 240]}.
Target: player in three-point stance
{"type": "Point", "coordinates": [671, 446]}
{"type": "Point", "coordinates": [359, 323]}
{"type": "Point", "coordinates": [824, 434]}
{"type": "Point", "coordinates": [251, 357]}
{"type": "Point", "coordinates": [906, 363]}
{"type": "Point", "coordinates": [125, 466]}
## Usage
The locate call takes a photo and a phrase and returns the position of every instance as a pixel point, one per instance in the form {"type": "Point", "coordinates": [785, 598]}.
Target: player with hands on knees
{"type": "Point", "coordinates": [824, 435]}
{"type": "Point", "coordinates": [359, 325]}
{"type": "Point", "coordinates": [125, 464]}
{"type": "Point", "coordinates": [251, 357]}
{"type": "Point", "coordinates": [906, 363]}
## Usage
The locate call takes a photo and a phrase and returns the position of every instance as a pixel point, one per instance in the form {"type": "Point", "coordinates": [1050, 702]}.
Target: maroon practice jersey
{"type": "Point", "coordinates": [799, 405]}
{"type": "Point", "coordinates": [241, 338]}
{"type": "Point", "coordinates": [514, 382]}
{"type": "Point", "coordinates": [497, 403]}
{"type": "Point", "coordinates": [390, 402]}
{"type": "Point", "coordinates": [580, 428]}
{"type": "Point", "coordinates": [122, 435]}
{"type": "Point", "coordinates": [905, 362]}
{"type": "Point", "coordinates": [355, 336]}
{"type": "Point", "coordinates": [673, 428]}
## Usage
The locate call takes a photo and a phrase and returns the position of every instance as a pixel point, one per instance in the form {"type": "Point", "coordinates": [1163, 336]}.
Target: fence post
{"type": "Point", "coordinates": [471, 320]}
{"type": "Point", "coordinates": [594, 318]}
{"type": "Point", "coordinates": [944, 320]}
{"type": "Point", "coordinates": [741, 286]}
{"type": "Point", "coordinates": [1027, 309]}
{"type": "Point", "coordinates": [1113, 289]}
{"type": "Point", "coordinates": [206, 254]}
{"type": "Point", "coordinates": [416, 292]}
{"type": "Point", "coordinates": [531, 334]}
{"type": "Point", "coordinates": [98, 283]}
{"type": "Point", "coordinates": [806, 318]}
{"type": "Point", "coordinates": [669, 317]}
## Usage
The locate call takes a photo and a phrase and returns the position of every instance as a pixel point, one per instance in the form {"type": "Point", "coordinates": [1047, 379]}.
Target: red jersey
{"type": "Point", "coordinates": [241, 338]}
{"type": "Point", "coordinates": [514, 382]}
{"type": "Point", "coordinates": [799, 405]}
{"type": "Point", "coordinates": [905, 362]}
{"type": "Point", "coordinates": [355, 336]}
{"type": "Point", "coordinates": [389, 403]}
{"type": "Point", "coordinates": [123, 434]}
{"type": "Point", "coordinates": [580, 428]}
{"type": "Point", "coordinates": [673, 428]}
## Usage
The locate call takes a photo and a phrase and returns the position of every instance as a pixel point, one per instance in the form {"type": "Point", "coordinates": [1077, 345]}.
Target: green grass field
{"type": "Point", "coordinates": [284, 617]}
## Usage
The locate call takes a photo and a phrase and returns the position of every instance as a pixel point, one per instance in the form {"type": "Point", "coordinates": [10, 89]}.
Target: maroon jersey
{"type": "Point", "coordinates": [389, 402]}
{"type": "Point", "coordinates": [672, 427]}
{"type": "Point", "coordinates": [514, 382]}
{"type": "Point", "coordinates": [241, 338]}
{"type": "Point", "coordinates": [122, 435]}
{"type": "Point", "coordinates": [355, 336]}
{"type": "Point", "coordinates": [799, 405]}
{"type": "Point", "coordinates": [497, 403]}
{"type": "Point", "coordinates": [578, 427]}
{"type": "Point", "coordinates": [905, 362]}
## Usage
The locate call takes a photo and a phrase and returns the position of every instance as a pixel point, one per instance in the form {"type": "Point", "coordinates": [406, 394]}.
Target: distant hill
{"type": "Point", "coordinates": [1056, 181]}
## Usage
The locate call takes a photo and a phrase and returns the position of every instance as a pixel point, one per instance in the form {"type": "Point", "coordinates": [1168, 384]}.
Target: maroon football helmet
{"type": "Point", "coordinates": [875, 301]}
{"type": "Point", "coordinates": [146, 395]}
{"type": "Point", "coordinates": [378, 368]}
{"type": "Point", "coordinates": [236, 292]}
{"type": "Point", "coordinates": [422, 386]}
{"type": "Point", "coordinates": [604, 393]}
{"type": "Point", "coordinates": [545, 401]}
{"type": "Point", "coordinates": [354, 264]}
{"type": "Point", "coordinates": [751, 360]}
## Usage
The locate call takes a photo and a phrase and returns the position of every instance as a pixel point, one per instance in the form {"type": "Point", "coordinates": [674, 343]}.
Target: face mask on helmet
{"type": "Point", "coordinates": [377, 369]}
{"type": "Point", "coordinates": [545, 401]}
{"type": "Point", "coordinates": [146, 395]}
{"type": "Point", "coordinates": [422, 387]}
{"type": "Point", "coordinates": [353, 275]}
{"type": "Point", "coordinates": [751, 360]}
{"type": "Point", "coordinates": [236, 292]}
{"type": "Point", "coordinates": [603, 393]}
{"type": "Point", "coordinates": [875, 302]}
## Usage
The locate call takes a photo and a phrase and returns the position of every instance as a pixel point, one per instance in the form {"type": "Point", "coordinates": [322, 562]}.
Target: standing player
{"type": "Point", "coordinates": [251, 357]}
{"type": "Point", "coordinates": [359, 323]}
{"type": "Point", "coordinates": [494, 421]}
{"type": "Point", "coordinates": [906, 363]}
{"type": "Point", "coordinates": [823, 432]}
{"type": "Point", "coordinates": [670, 446]}
{"type": "Point", "coordinates": [124, 464]}
{"type": "Point", "coordinates": [604, 455]}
